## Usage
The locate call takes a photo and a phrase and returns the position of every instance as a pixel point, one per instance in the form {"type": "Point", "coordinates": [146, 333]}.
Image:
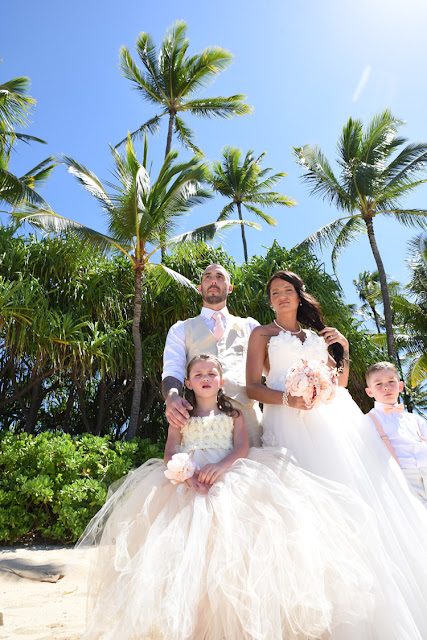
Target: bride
{"type": "Point", "coordinates": [337, 442]}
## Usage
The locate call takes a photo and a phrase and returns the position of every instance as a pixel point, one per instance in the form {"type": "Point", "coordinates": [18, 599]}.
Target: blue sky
{"type": "Point", "coordinates": [305, 68]}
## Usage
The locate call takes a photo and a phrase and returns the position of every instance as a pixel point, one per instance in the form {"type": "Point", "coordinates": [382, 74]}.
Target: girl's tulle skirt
{"type": "Point", "coordinates": [271, 552]}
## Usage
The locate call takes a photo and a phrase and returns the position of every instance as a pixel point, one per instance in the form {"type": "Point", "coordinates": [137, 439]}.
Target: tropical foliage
{"type": "Point", "coordinates": [142, 215]}
{"type": "Point", "coordinates": [171, 79]}
{"type": "Point", "coordinates": [372, 182]}
{"type": "Point", "coordinates": [66, 348]}
{"type": "Point", "coordinates": [51, 485]}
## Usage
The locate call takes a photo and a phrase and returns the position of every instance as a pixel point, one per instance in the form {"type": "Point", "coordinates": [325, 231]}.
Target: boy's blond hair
{"type": "Point", "coordinates": [381, 366]}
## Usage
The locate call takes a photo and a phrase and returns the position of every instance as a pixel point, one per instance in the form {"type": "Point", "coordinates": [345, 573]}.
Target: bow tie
{"type": "Point", "coordinates": [400, 408]}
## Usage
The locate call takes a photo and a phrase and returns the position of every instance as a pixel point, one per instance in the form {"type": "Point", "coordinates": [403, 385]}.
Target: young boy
{"type": "Point", "coordinates": [404, 434]}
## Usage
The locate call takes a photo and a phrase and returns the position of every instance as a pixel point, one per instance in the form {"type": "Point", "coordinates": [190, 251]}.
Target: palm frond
{"type": "Point", "coordinates": [410, 217]}
{"type": "Point", "coordinates": [320, 178]}
{"type": "Point", "coordinates": [202, 68]}
{"type": "Point", "coordinates": [39, 174]}
{"type": "Point", "coordinates": [185, 135]}
{"type": "Point", "coordinates": [152, 126]}
{"type": "Point", "coordinates": [23, 137]}
{"type": "Point", "coordinates": [148, 86]}
{"type": "Point", "coordinates": [350, 140]}
{"type": "Point", "coordinates": [48, 220]}
{"type": "Point", "coordinates": [226, 211]}
{"type": "Point", "coordinates": [208, 232]}
{"type": "Point", "coordinates": [258, 212]}
{"type": "Point", "coordinates": [380, 140]}
{"type": "Point", "coordinates": [89, 180]}
{"type": "Point", "coordinates": [411, 159]}
{"type": "Point", "coordinates": [324, 236]}
{"type": "Point", "coordinates": [14, 191]}
{"type": "Point", "coordinates": [220, 107]}
{"type": "Point", "coordinates": [15, 104]}
{"type": "Point", "coordinates": [418, 370]}
{"type": "Point", "coordinates": [270, 199]}
{"type": "Point", "coordinates": [349, 231]}
{"type": "Point", "coordinates": [163, 276]}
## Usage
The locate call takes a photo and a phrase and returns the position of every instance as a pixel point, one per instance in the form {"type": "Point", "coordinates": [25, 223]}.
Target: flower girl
{"type": "Point", "coordinates": [221, 544]}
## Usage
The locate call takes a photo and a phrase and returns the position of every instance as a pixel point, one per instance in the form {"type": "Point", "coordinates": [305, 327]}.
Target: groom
{"type": "Point", "coordinates": [217, 332]}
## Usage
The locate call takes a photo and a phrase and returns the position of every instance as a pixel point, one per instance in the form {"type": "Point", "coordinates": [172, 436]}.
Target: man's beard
{"type": "Point", "coordinates": [214, 297]}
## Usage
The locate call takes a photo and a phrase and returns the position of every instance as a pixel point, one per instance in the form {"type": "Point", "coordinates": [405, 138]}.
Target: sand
{"type": "Point", "coordinates": [33, 609]}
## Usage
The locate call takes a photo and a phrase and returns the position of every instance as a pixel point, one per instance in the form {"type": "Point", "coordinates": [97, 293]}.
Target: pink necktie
{"type": "Point", "coordinates": [400, 408]}
{"type": "Point", "coordinates": [218, 329]}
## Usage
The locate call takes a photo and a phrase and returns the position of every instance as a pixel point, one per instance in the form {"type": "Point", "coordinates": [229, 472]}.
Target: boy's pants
{"type": "Point", "coordinates": [417, 481]}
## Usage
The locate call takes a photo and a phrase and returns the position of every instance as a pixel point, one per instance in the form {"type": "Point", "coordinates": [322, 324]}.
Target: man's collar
{"type": "Point", "coordinates": [207, 313]}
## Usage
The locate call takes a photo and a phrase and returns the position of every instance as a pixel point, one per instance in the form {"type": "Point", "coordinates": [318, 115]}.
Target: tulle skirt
{"type": "Point", "coordinates": [270, 552]}
{"type": "Point", "coordinates": [336, 441]}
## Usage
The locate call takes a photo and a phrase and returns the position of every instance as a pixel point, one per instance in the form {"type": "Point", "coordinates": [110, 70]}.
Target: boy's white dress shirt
{"type": "Point", "coordinates": [404, 431]}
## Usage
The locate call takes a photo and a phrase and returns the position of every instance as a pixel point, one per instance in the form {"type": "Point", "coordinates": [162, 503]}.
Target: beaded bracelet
{"type": "Point", "coordinates": [285, 396]}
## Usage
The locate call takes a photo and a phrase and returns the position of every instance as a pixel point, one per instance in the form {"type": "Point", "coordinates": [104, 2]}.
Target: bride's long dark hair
{"type": "Point", "coordinates": [309, 312]}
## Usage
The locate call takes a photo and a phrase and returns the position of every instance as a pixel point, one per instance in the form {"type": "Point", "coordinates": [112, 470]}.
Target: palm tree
{"type": "Point", "coordinates": [370, 184]}
{"type": "Point", "coordinates": [15, 106]}
{"type": "Point", "coordinates": [172, 78]}
{"type": "Point", "coordinates": [140, 214]}
{"type": "Point", "coordinates": [245, 183]}
{"type": "Point", "coordinates": [369, 292]}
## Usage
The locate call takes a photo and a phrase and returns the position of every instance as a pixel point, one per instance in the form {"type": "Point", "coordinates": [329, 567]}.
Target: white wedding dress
{"type": "Point", "coordinates": [336, 441]}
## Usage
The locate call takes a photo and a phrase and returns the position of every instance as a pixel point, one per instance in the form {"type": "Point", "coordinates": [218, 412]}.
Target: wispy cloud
{"type": "Point", "coordinates": [362, 83]}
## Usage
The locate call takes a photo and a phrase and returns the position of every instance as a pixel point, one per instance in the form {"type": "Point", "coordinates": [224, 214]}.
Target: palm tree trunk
{"type": "Point", "coordinates": [168, 148]}
{"type": "Point", "coordinates": [391, 347]}
{"type": "Point", "coordinates": [136, 398]}
{"type": "Point", "coordinates": [170, 132]}
{"type": "Point", "coordinates": [242, 229]}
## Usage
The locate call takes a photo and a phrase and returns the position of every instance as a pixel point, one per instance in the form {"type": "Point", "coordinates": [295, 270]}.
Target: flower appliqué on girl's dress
{"type": "Point", "coordinates": [268, 439]}
{"type": "Point", "coordinates": [208, 432]}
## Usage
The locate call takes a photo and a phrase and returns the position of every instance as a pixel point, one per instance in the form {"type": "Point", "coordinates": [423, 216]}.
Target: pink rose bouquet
{"type": "Point", "coordinates": [312, 380]}
{"type": "Point", "coordinates": [180, 467]}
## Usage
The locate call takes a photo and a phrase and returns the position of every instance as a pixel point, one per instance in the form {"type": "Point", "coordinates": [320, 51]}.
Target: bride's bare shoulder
{"type": "Point", "coordinates": [261, 335]}
{"type": "Point", "coordinates": [265, 330]}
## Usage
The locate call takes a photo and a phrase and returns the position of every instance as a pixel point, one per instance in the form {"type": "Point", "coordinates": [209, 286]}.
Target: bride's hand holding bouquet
{"type": "Point", "coordinates": [312, 381]}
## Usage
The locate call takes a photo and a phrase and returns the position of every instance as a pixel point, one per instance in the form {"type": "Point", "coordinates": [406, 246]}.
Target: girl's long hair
{"type": "Point", "coordinates": [223, 401]}
{"type": "Point", "coordinates": [309, 312]}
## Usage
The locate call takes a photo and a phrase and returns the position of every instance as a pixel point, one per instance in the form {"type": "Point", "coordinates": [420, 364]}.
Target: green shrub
{"type": "Point", "coordinates": [52, 484]}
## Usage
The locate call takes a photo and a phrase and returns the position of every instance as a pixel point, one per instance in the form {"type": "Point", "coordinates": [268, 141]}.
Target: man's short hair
{"type": "Point", "coordinates": [381, 366]}
{"type": "Point", "coordinates": [216, 264]}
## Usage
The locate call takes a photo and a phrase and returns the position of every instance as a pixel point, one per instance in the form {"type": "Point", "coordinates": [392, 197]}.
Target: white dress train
{"type": "Point", "coordinates": [336, 441]}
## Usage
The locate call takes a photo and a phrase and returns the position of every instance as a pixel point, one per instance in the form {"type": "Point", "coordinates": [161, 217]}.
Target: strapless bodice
{"type": "Point", "coordinates": [285, 349]}
{"type": "Point", "coordinates": [208, 432]}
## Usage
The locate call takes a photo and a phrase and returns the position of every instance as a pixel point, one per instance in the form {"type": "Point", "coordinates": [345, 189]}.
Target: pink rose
{"type": "Point", "coordinates": [180, 467]}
